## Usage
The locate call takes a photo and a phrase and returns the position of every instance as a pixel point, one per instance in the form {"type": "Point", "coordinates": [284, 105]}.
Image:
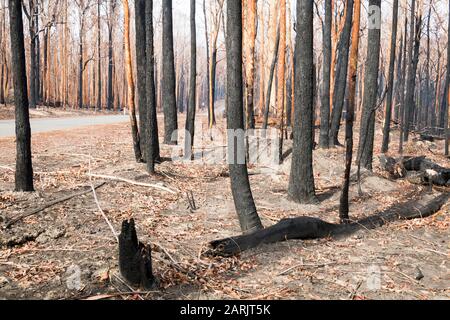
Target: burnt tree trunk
{"type": "Point", "coordinates": [340, 82]}
{"type": "Point", "coordinates": [152, 145]}
{"type": "Point", "coordinates": [240, 184]}
{"type": "Point", "coordinates": [190, 118]}
{"type": "Point", "coordinates": [325, 102]}
{"type": "Point", "coordinates": [141, 57]}
{"type": "Point", "coordinates": [24, 168]}
{"type": "Point", "coordinates": [270, 83]}
{"type": "Point", "coordinates": [169, 102]}
{"type": "Point", "coordinates": [367, 128]}
{"type": "Point", "coordinates": [301, 182]}
{"type": "Point", "coordinates": [388, 114]}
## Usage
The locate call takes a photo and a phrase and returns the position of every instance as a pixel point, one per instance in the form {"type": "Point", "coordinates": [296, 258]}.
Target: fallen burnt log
{"type": "Point", "coordinates": [135, 258]}
{"type": "Point", "coordinates": [307, 228]}
{"type": "Point", "coordinates": [430, 172]}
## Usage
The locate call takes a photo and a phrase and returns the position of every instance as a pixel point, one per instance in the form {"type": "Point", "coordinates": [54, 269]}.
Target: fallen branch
{"type": "Point", "coordinates": [136, 183]}
{"type": "Point", "coordinates": [304, 228]}
{"type": "Point", "coordinates": [85, 190]}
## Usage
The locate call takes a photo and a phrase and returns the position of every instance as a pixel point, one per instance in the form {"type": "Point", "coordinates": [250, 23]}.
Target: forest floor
{"type": "Point", "coordinates": [68, 251]}
{"type": "Point", "coordinates": [7, 112]}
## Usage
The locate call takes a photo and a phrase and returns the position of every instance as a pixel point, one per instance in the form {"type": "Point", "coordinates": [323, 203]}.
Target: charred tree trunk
{"type": "Point", "coordinates": [411, 80]}
{"type": "Point", "coordinates": [130, 84]}
{"type": "Point", "coordinates": [240, 184]}
{"type": "Point", "coordinates": [141, 74]}
{"type": "Point", "coordinates": [168, 76]}
{"type": "Point", "coordinates": [110, 97]}
{"type": "Point", "coordinates": [190, 118]}
{"type": "Point", "coordinates": [324, 139]}
{"type": "Point", "coordinates": [99, 61]}
{"type": "Point", "coordinates": [340, 77]}
{"type": "Point", "coordinates": [388, 113]}
{"type": "Point", "coordinates": [301, 183]}
{"type": "Point", "coordinates": [152, 146]}
{"type": "Point", "coordinates": [430, 172]}
{"type": "Point", "coordinates": [367, 128]}
{"type": "Point", "coordinates": [24, 168]}
{"type": "Point", "coordinates": [344, 205]}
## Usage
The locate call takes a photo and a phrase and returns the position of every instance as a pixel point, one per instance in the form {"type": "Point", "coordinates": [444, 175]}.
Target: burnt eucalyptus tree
{"type": "Point", "coordinates": [33, 19]}
{"type": "Point", "coordinates": [340, 82]}
{"type": "Point", "coordinates": [367, 128]}
{"type": "Point", "coordinates": [24, 168]}
{"type": "Point", "coordinates": [190, 119]}
{"type": "Point", "coordinates": [447, 131]}
{"type": "Point", "coordinates": [301, 182]}
{"type": "Point", "coordinates": [152, 146]}
{"type": "Point", "coordinates": [168, 75]}
{"type": "Point", "coordinates": [325, 105]}
{"type": "Point", "coordinates": [388, 115]}
{"type": "Point", "coordinates": [109, 88]}
{"type": "Point", "coordinates": [141, 62]}
{"type": "Point", "coordinates": [240, 184]}
{"type": "Point", "coordinates": [411, 79]}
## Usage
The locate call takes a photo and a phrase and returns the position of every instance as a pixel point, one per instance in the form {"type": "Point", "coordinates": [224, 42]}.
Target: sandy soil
{"type": "Point", "coordinates": [68, 252]}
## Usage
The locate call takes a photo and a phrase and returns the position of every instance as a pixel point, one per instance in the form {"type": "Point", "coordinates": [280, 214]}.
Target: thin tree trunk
{"type": "Point", "coordinates": [141, 74]}
{"type": "Point", "coordinates": [250, 41]}
{"type": "Point", "coordinates": [326, 87]}
{"type": "Point", "coordinates": [151, 116]}
{"type": "Point", "coordinates": [190, 118]}
{"type": "Point", "coordinates": [388, 115]}
{"type": "Point", "coordinates": [350, 116]}
{"type": "Point", "coordinates": [411, 80]}
{"type": "Point", "coordinates": [99, 61]}
{"type": "Point", "coordinates": [270, 83]}
{"type": "Point", "coordinates": [240, 184]}
{"type": "Point", "coordinates": [168, 76]}
{"type": "Point", "coordinates": [301, 183]}
{"type": "Point", "coordinates": [24, 168]}
{"type": "Point", "coordinates": [130, 83]}
{"type": "Point", "coordinates": [340, 82]}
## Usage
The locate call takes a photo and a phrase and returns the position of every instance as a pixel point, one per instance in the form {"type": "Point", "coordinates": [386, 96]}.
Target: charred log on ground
{"type": "Point", "coordinates": [430, 172]}
{"type": "Point", "coordinates": [135, 258]}
{"type": "Point", "coordinates": [307, 228]}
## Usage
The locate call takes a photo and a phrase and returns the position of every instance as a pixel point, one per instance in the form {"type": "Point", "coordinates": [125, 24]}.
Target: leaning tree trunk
{"type": "Point", "coordinates": [240, 184]}
{"type": "Point", "coordinates": [141, 74]}
{"type": "Point", "coordinates": [168, 76]}
{"type": "Point", "coordinates": [270, 83]}
{"type": "Point", "coordinates": [301, 182]}
{"type": "Point", "coordinates": [367, 128]}
{"type": "Point", "coordinates": [190, 119]}
{"type": "Point", "coordinates": [352, 76]}
{"type": "Point", "coordinates": [24, 168]}
{"type": "Point", "coordinates": [340, 77]}
{"type": "Point", "coordinates": [388, 114]}
{"type": "Point", "coordinates": [130, 83]}
{"type": "Point", "coordinates": [325, 105]}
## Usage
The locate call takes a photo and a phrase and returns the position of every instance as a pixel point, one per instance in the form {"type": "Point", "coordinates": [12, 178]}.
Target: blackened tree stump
{"type": "Point", "coordinates": [135, 258]}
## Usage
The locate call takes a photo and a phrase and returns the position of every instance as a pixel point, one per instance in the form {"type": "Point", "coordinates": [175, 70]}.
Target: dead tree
{"type": "Point", "coordinates": [307, 228]}
{"type": "Point", "coordinates": [301, 182]}
{"type": "Point", "coordinates": [24, 168]}
{"type": "Point", "coordinates": [135, 258]}
{"type": "Point", "coordinates": [240, 184]}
